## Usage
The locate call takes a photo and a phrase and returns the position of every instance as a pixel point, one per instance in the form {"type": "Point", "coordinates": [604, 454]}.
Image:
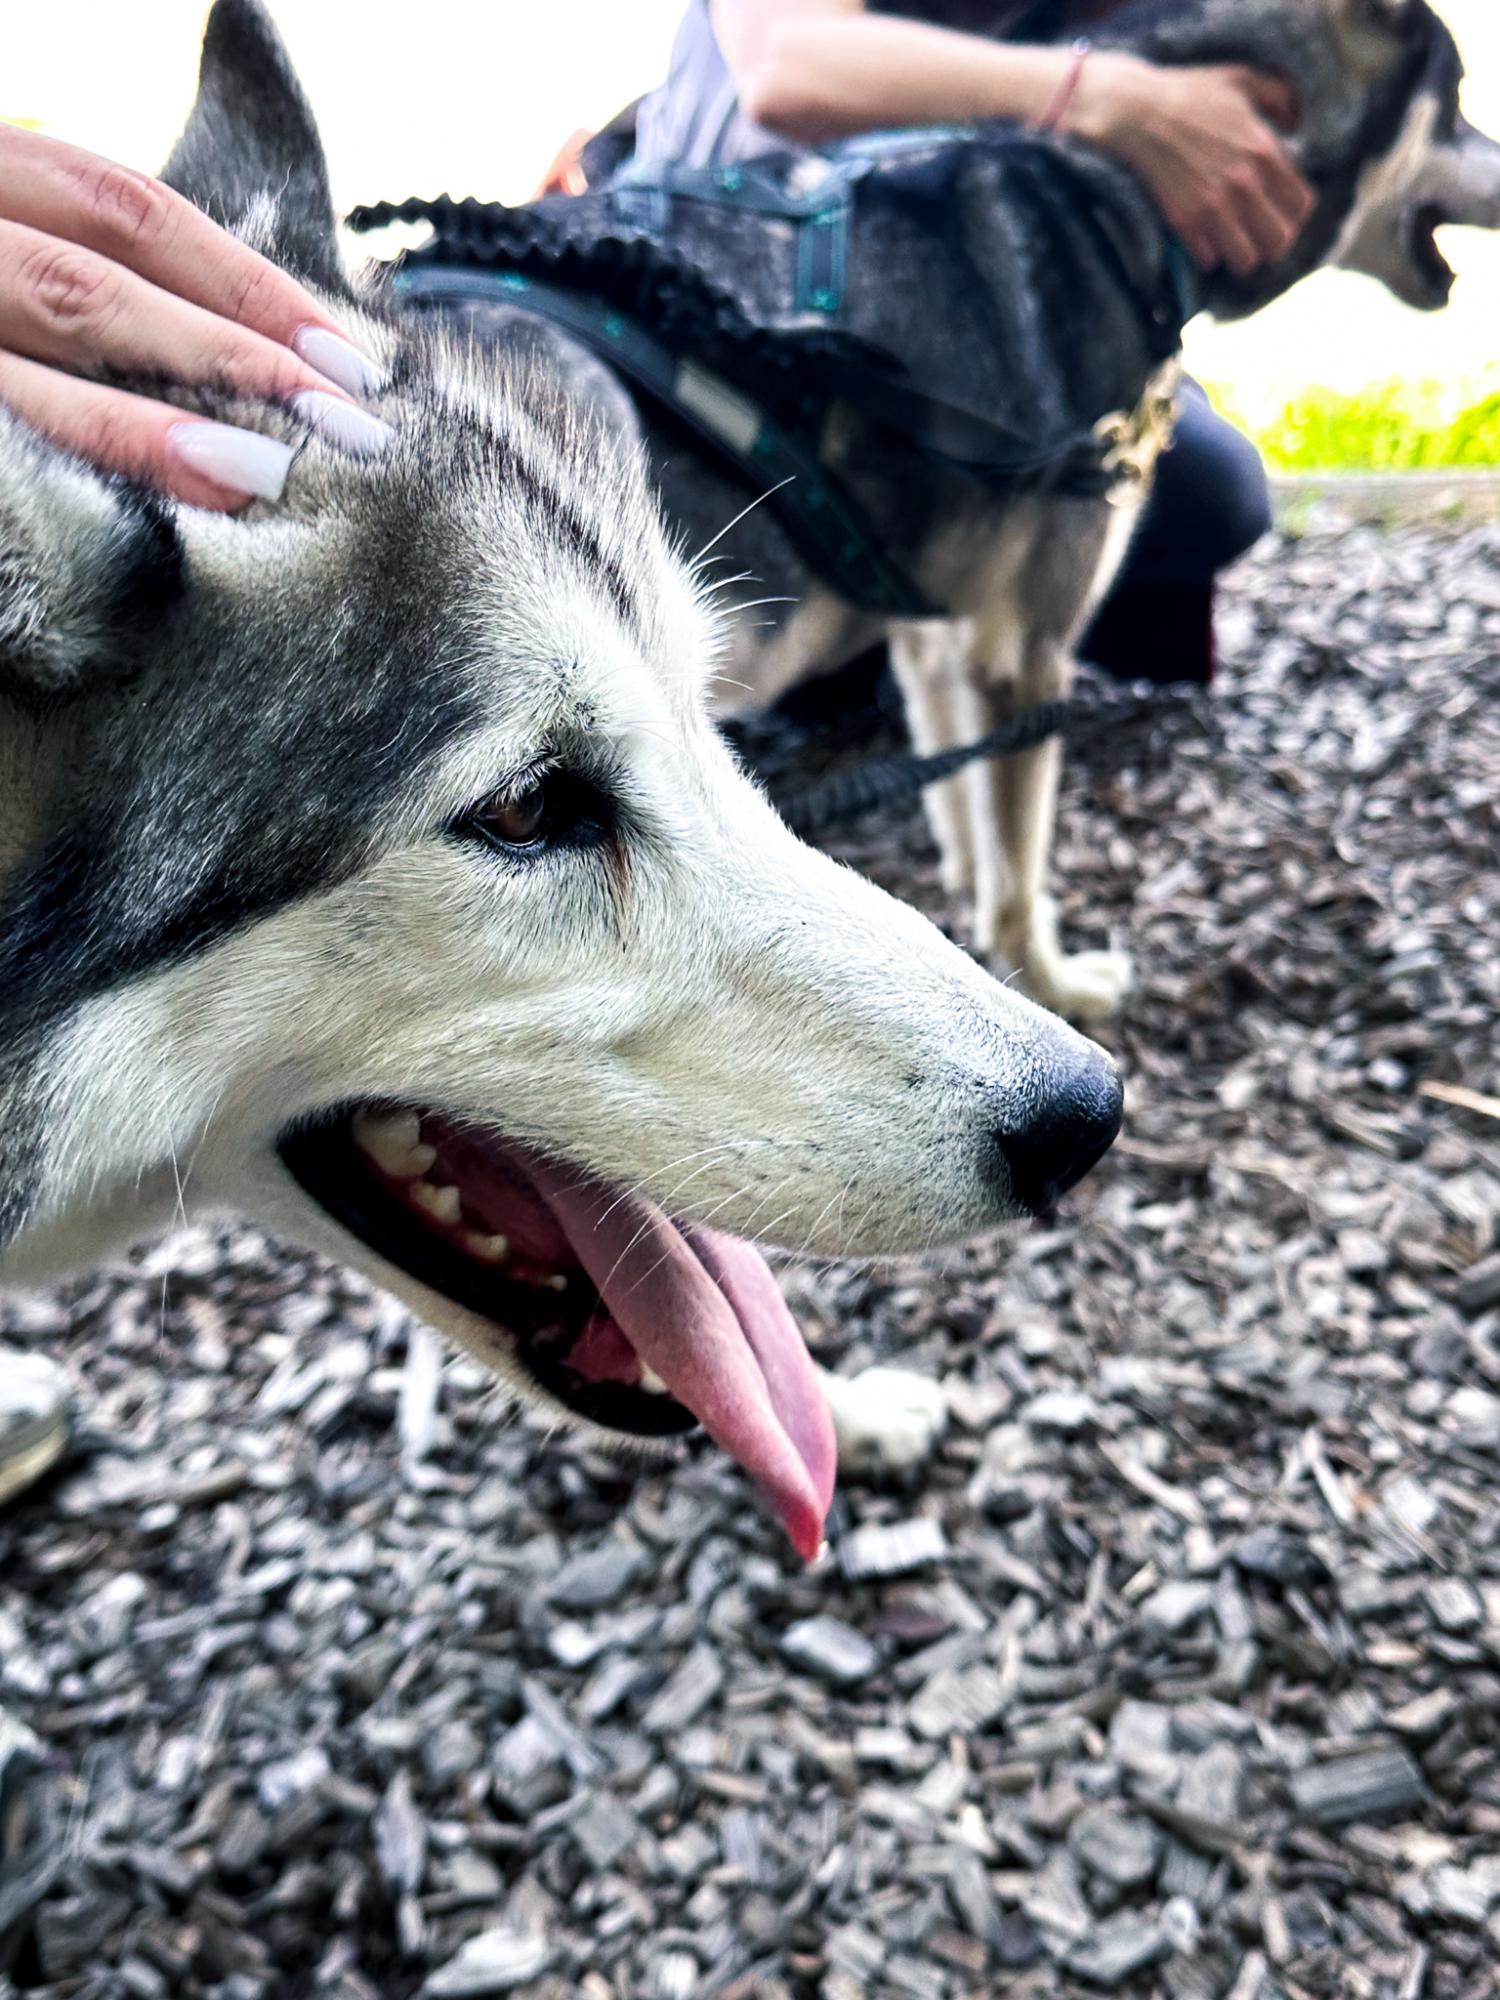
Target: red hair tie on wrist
{"type": "Point", "coordinates": [1055, 110]}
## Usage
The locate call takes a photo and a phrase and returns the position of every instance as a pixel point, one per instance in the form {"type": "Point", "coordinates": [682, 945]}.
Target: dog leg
{"type": "Point", "coordinates": [1086, 986]}
{"type": "Point", "coordinates": [987, 698]}
{"type": "Point", "coordinates": [1022, 656]}
{"type": "Point", "coordinates": [931, 662]}
{"type": "Point", "coordinates": [1014, 808]}
{"type": "Point", "coordinates": [886, 1420]}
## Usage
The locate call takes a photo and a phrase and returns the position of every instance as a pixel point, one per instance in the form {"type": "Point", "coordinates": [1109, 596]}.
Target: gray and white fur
{"type": "Point", "coordinates": [242, 880]}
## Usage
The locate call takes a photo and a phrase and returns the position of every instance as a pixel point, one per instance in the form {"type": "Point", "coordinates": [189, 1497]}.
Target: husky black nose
{"type": "Point", "coordinates": [1075, 1122]}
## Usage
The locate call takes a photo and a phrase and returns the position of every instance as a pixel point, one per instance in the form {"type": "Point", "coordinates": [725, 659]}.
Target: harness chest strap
{"type": "Point", "coordinates": [821, 516]}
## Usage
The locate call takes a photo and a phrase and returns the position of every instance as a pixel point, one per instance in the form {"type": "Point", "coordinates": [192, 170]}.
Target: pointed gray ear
{"type": "Point", "coordinates": [250, 155]}
{"type": "Point", "coordinates": [88, 566]}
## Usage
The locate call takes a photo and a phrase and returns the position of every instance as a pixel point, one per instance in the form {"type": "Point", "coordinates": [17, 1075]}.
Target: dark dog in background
{"type": "Point", "coordinates": [1033, 286]}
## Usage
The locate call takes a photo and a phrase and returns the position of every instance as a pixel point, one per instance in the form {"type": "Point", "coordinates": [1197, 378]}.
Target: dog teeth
{"type": "Point", "coordinates": [488, 1249]}
{"type": "Point", "coordinates": [441, 1202]}
{"type": "Point", "coordinates": [556, 1283]}
{"type": "Point", "coordinates": [393, 1140]}
{"type": "Point", "coordinates": [651, 1382]}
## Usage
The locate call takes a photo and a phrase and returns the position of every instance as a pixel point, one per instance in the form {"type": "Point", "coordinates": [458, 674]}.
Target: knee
{"type": "Point", "coordinates": [1213, 499]}
{"type": "Point", "coordinates": [1243, 498]}
{"type": "Point", "coordinates": [1047, 674]}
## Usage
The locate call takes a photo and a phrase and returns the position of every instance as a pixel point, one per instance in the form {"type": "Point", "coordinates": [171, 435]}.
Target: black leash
{"type": "Point", "coordinates": [887, 781]}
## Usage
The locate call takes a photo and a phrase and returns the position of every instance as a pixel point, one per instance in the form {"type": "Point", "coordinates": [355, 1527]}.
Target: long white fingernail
{"type": "Point", "coordinates": [244, 461]}
{"type": "Point", "coordinates": [339, 359]}
{"type": "Point", "coordinates": [343, 424]}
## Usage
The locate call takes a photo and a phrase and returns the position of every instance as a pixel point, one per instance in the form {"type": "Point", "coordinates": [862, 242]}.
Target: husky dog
{"type": "Point", "coordinates": [369, 865]}
{"type": "Point", "coordinates": [1392, 160]}
{"type": "Point", "coordinates": [1064, 252]}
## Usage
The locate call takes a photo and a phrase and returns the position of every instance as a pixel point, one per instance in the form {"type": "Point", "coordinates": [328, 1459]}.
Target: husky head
{"type": "Point", "coordinates": [369, 865]}
{"type": "Point", "coordinates": [1440, 170]}
{"type": "Point", "coordinates": [1380, 138]}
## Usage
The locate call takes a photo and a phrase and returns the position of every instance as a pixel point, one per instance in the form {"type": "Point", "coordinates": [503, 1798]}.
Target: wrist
{"type": "Point", "coordinates": [1052, 119]}
{"type": "Point", "coordinates": [1108, 99]}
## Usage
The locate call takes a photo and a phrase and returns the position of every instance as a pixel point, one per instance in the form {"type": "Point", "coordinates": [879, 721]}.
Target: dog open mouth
{"type": "Point", "coordinates": [1436, 272]}
{"type": "Point", "coordinates": [634, 1322]}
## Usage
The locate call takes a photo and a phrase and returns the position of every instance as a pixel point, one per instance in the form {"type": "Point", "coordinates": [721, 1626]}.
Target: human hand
{"type": "Point", "coordinates": [105, 269]}
{"type": "Point", "coordinates": [1202, 140]}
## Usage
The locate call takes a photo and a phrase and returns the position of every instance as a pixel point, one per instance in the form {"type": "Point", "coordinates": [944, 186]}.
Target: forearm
{"type": "Point", "coordinates": [814, 77]}
{"type": "Point", "coordinates": [1203, 140]}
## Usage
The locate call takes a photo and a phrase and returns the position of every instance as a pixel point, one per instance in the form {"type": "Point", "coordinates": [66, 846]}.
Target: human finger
{"type": "Point", "coordinates": [64, 304]}
{"type": "Point", "coordinates": [1272, 96]}
{"type": "Point", "coordinates": [150, 229]}
{"type": "Point", "coordinates": [1230, 243]}
{"type": "Point", "coordinates": [208, 464]}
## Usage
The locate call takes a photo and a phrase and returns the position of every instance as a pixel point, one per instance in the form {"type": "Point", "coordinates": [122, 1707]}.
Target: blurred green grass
{"type": "Point", "coordinates": [1382, 427]}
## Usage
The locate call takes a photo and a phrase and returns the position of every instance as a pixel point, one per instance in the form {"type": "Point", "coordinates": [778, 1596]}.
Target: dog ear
{"type": "Point", "coordinates": [250, 154]}
{"type": "Point", "coordinates": [1371, 35]}
{"type": "Point", "coordinates": [87, 567]}
{"type": "Point", "coordinates": [1373, 13]}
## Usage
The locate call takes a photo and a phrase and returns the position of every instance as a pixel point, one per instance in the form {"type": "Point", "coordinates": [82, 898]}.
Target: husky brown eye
{"type": "Point", "coordinates": [516, 822]}
{"type": "Point", "coordinates": [552, 808]}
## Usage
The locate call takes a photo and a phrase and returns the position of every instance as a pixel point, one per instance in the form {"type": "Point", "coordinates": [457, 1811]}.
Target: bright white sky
{"type": "Point", "coordinates": [475, 96]}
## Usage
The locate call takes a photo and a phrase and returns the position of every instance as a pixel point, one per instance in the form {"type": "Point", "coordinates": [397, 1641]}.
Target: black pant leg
{"type": "Point", "coordinates": [1211, 502]}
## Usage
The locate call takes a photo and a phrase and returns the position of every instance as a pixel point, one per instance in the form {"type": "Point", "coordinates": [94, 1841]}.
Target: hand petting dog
{"type": "Point", "coordinates": [1203, 138]}
{"type": "Point", "coordinates": [1205, 141]}
{"type": "Point", "coordinates": [107, 272]}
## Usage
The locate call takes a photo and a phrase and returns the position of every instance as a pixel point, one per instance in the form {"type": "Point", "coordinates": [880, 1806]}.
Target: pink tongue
{"type": "Point", "coordinates": [708, 1318]}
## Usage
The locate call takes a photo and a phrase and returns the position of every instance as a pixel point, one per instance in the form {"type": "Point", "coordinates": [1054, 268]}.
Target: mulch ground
{"type": "Point", "coordinates": [1178, 1672]}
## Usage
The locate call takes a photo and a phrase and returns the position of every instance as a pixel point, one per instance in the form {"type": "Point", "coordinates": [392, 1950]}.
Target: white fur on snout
{"type": "Point", "coordinates": [1466, 181]}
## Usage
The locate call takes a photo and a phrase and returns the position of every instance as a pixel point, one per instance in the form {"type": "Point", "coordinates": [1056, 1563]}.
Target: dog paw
{"type": "Point", "coordinates": [1086, 986]}
{"type": "Point", "coordinates": [886, 1419]}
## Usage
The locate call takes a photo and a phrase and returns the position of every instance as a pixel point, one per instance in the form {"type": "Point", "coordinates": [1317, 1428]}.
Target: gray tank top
{"type": "Point", "coordinates": [694, 118]}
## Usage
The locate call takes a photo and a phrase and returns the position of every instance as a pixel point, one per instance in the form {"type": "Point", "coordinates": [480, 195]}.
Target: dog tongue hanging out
{"type": "Point", "coordinates": [632, 1321]}
{"type": "Point", "coordinates": [340, 838]}
{"type": "Point", "coordinates": [702, 1314]}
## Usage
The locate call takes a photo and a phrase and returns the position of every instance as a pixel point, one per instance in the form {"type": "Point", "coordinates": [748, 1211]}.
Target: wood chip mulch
{"type": "Point", "coordinates": [1177, 1673]}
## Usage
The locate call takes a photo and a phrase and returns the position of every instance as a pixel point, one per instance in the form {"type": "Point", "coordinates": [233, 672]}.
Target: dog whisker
{"type": "Point", "coordinates": [729, 526]}
{"type": "Point", "coordinates": [755, 603]}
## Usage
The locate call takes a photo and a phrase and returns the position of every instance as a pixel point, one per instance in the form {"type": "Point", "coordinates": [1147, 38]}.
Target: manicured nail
{"type": "Point", "coordinates": [338, 359]}
{"type": "Point", "coordinates": [244, 461]}
{"type": "Point", "coordinates": [342, 424]}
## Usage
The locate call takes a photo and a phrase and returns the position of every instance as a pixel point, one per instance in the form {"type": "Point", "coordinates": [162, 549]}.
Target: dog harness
{"type": "Point", "coordinates": [822, 518]}
{"type": "Point", "coordinates": [730, 298]}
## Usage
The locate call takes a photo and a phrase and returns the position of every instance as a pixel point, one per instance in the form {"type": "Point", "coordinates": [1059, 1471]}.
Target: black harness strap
{"type": "Point", "coordinates": [822, 518]}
